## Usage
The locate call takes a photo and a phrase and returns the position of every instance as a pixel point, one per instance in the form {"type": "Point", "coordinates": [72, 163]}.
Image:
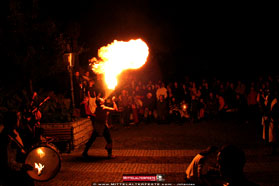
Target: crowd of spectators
{"type": "Point", "coordinates": [179, 101]}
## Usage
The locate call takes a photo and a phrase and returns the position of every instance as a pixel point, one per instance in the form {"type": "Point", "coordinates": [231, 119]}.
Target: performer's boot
{"type": "Point", "coordinates": [109, 150]}
{"type": "Point", "coordinates": [84, 154]}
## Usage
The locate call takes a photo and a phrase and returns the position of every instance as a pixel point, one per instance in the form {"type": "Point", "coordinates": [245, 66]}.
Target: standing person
{"type": "Point", "coordinates": [149, 106]}
{"type": "Point", "coordinates": [274, 120]}
{"type": "Point", "coordinates": [162, 91]}
{"type": "Point", "coordinates": [265, 118]}
{"type": "Point", "coordinates": [91, 89]}
{"type": "Point", "coordinates": [162, 110]}
{"type": "Point", "coordinates": [241, 106]}
{"type": "Point", "coordinates": [212, 106]}
{"type": "Point", "coordinates": [124, 108]}
{"type": "Point", "coordinates": [92, 96]}
{"type": "Point", "coordinates": [252, 103]}
{"type": "Point", "coordinates": [85, 109]}
{"type": "Point", "coordinates": [186, 94]}
{"type": "Point", "coordinates": [12, 166]}
{"type": "Point", "coordinates": [30, 129]}
{"type": "Point", "coordinates": [77, 89]}
{"type": "Point", "coordinates": [101, 124]}
{"type": "Point", "coordinates": [194, 110]}
{"type": "Point", "coordinates": [84, 88]}
{"type": "Point", "coordinates": [174, 110]}
{"type": "Point", "coordinates": [86, 76]}
{"type": "Point", "coordinates": [240, 88]}
{"type": "Point", "coordinates": [222, 106]}
{"type": "Point", "coordinates": [201, 108]}
{"type": "Point", "coordinates": [177, 92]}
{"type": "Point", "coordinates": [230, 95]}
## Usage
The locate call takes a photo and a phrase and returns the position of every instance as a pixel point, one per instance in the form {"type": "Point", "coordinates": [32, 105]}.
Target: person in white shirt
{"type": "Point", "coordinates": [162, 91]}
{"type": "Point", "coordinates": [202, 163]}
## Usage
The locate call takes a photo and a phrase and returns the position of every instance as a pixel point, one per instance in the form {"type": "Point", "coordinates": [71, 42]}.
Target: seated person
{"type": "Point", "coordinates": [201, 166]}
{"type": "Point", "coordinates": [231, 162]}
{"type": "Point", "coordinates": [12, 167]}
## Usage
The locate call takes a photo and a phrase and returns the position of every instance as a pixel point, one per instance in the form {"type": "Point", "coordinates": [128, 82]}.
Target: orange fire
{"type": "Point", "coordinates": [41, 153]}
{"type": "Point", "coordinates": [184, 107]}
{"type": "Point", "coordinates": [39, 167]}
{"type": "Point", "coordinates": [117, 57]}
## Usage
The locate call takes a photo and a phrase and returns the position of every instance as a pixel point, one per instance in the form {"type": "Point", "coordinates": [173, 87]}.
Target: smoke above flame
{"type": "Point", "coordinates": [118, 57]}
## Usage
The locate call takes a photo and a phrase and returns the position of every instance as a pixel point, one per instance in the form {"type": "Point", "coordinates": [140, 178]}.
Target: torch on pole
{"type": "Point", "coordinates": [69, 58]}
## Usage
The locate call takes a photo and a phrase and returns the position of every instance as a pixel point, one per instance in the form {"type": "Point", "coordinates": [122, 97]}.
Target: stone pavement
{"type": "Point", "coordinates": [147, 149]}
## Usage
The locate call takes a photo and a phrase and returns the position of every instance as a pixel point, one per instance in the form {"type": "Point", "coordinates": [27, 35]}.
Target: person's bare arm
{"type": "Point", "coordinates": [111, 108]}
{"type": "Point", "coordinates": [114, 104]}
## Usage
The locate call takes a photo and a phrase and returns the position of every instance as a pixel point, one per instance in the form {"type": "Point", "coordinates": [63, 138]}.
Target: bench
{"type": "Point", "coordinates": [60, 136]}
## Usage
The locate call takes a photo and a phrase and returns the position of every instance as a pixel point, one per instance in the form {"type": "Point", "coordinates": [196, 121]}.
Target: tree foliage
{"type": "Point", "coordinates": [33, 44]}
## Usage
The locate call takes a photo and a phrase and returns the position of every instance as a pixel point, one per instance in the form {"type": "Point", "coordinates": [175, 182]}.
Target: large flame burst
{"type": "Point", "coordinates": [117, 57]}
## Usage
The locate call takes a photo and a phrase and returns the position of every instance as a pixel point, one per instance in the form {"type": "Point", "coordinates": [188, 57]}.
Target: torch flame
{"type": "Point", "coordinates": [39, 167]}
{"type": "Point", "coordinates": [184, 107]}
{"type": "Point", "coordinates": [117, 57]}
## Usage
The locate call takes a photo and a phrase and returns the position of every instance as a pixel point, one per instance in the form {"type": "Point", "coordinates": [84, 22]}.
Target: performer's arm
{"type": "Point", "coordinates": [111, 108]}
{"type": "Point", "coordinates": [114, 104]}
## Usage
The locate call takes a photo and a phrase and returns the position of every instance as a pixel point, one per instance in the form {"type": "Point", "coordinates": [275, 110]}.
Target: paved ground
{"type": "Point", "coordinates": [167, 149]}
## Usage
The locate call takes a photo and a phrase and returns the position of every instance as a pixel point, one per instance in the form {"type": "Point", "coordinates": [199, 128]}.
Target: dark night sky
{"type": "Point", "coordinates": [206, 36]}
{"type": "Point", "coordinates": [182, 37]}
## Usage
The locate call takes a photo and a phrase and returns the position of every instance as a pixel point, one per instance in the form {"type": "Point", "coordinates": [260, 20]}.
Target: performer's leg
{"type": "Point", "coordinates": [135, 115]}
{"type": "Point", "coordinates": [108, 139]}
{"type": "Point", "coordinates": [90, 142]}
{"type": "Point", "coordinates": [266, 131]}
